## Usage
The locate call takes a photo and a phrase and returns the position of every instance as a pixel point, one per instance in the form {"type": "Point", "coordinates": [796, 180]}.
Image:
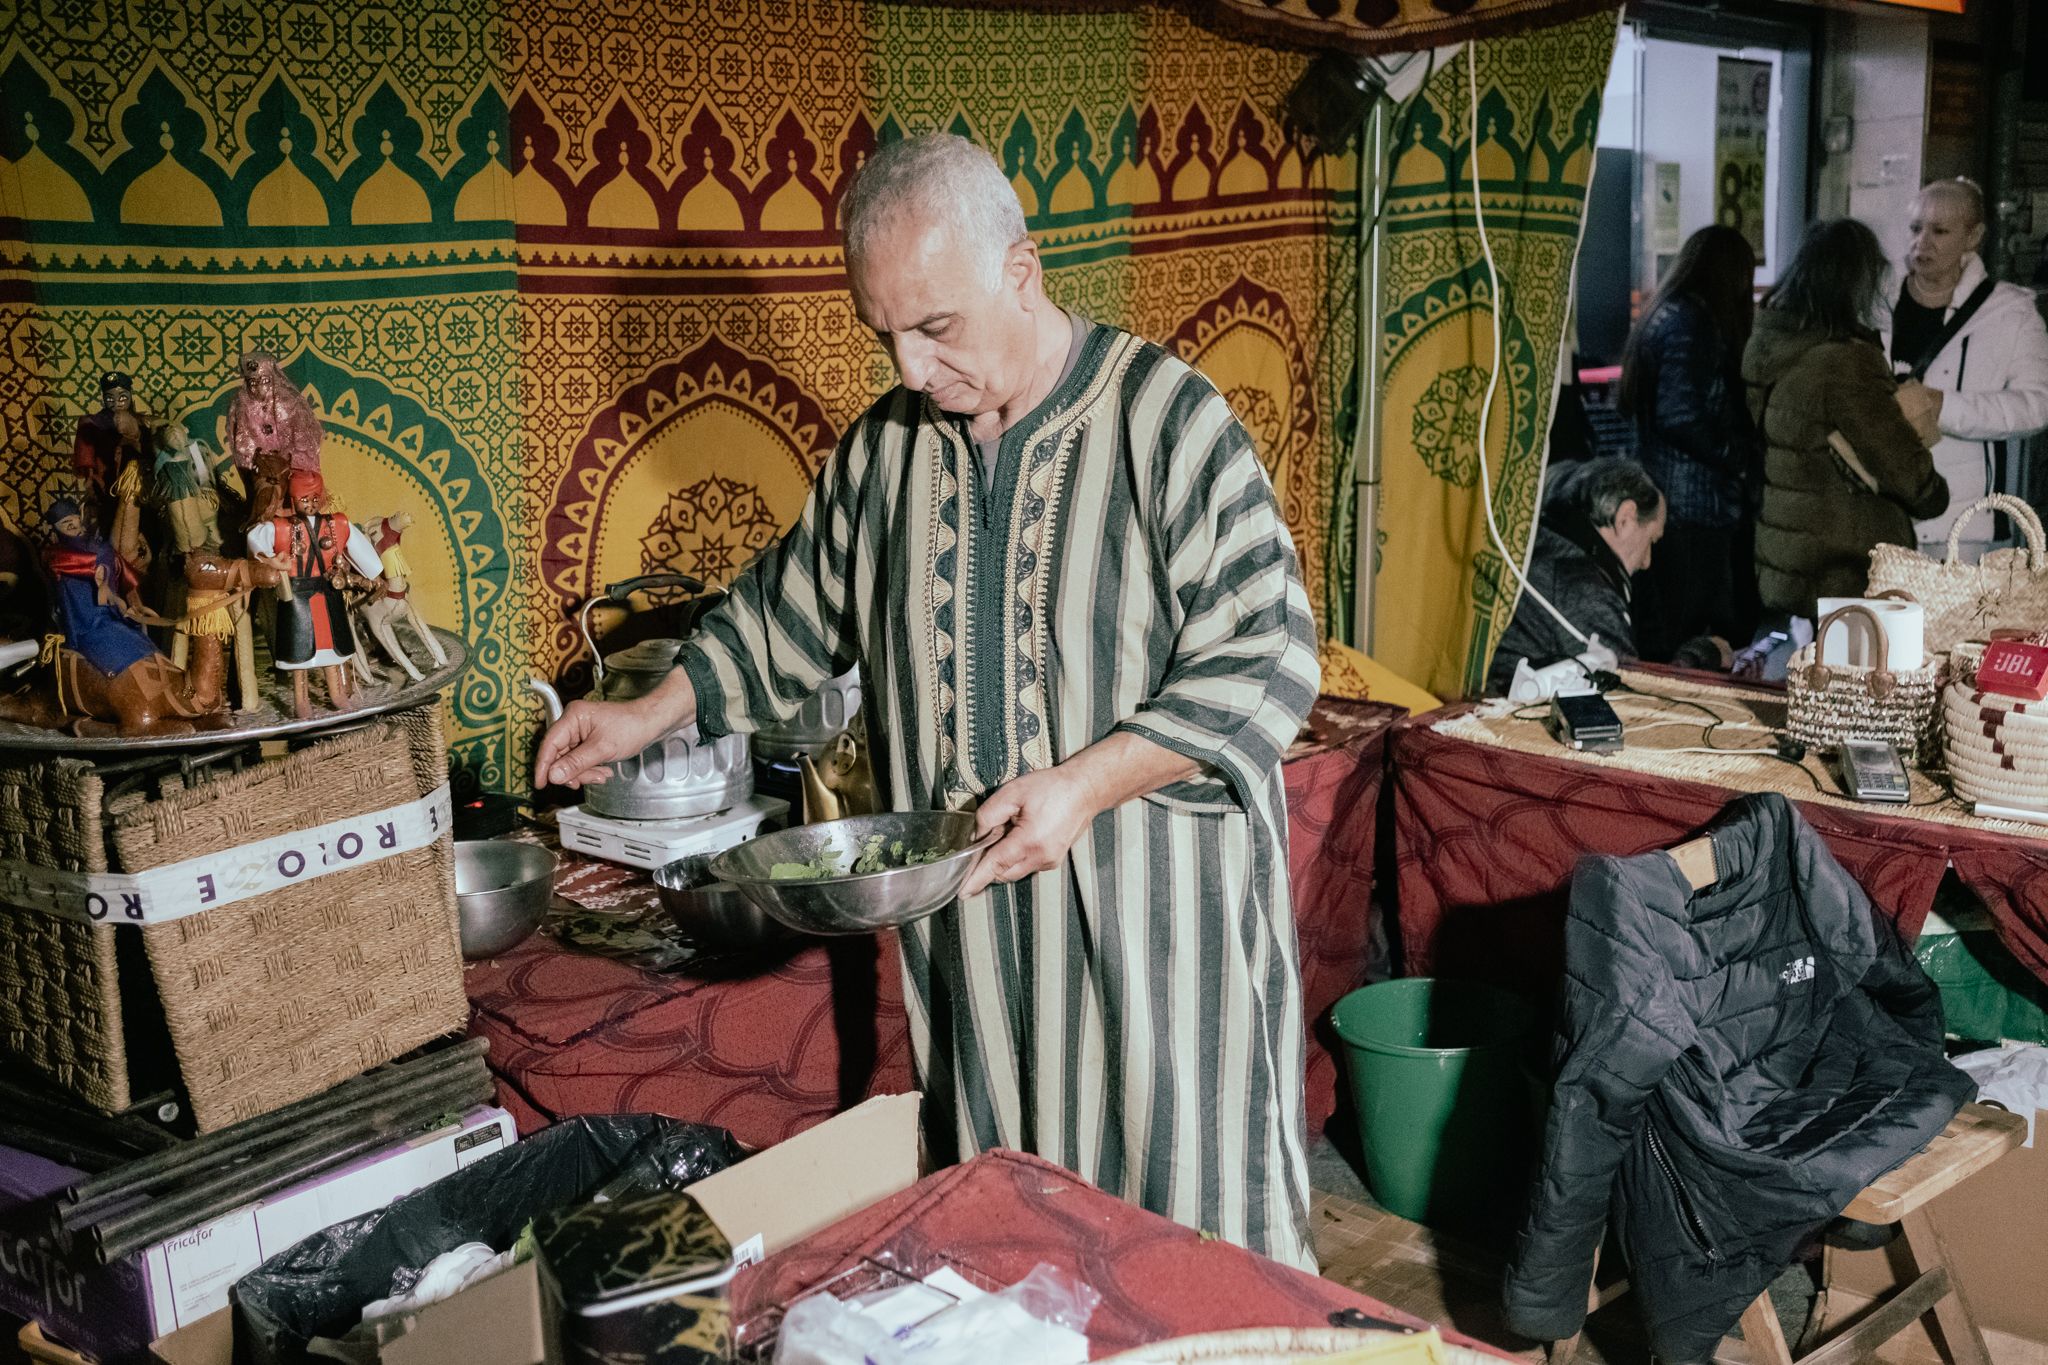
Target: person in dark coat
{"type": "Point", "coordinates": [1844, 469]}
{"type": "Point", "coordinates": [1681, 385]}
{"type": "Point", "coordinates": [1600, 519]}
{"type": "Point", "coordinates": [1734, 1064]}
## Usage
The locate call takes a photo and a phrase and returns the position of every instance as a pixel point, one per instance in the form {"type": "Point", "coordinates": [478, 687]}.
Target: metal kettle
{"type": "Point", "coordinates": [680, 775]}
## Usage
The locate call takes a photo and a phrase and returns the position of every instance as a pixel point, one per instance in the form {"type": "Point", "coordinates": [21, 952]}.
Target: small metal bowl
{"type": "Point", "coordinates": [857, 903]}
{"type": "Point", "coordinates": [711, 912]}
{"type": "Point", "coordinates": [502, 887]}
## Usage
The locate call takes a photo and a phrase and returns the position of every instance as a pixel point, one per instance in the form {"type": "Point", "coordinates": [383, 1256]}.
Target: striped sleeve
{"type": "Point", "coordinates": [1243, 673]}
{"type": "Point", "coordinates": [786, 623]}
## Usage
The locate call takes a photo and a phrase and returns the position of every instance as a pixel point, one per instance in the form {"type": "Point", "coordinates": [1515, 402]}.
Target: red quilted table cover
{"type": "Point", "coordinates": [767, 1050]}
{"type": "Point", "coordinates": [999, 1215]}
{"type": "Point", "coordinates": [1485, 839]}
{"type": "Point", "coordinates": [765, 1054]}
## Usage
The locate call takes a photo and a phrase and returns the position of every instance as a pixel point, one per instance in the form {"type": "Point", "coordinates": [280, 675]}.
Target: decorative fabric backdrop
{"type": "Point", "coordinates": [1441, 599]}
{"type": "Point", "coordinates": [562, 279]}
{"type": "Point", "coordinates": [1374, 26]}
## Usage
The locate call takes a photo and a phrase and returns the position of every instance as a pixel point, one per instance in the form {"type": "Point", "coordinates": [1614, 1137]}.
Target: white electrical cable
{"type": "Point", "coordinates": [1493, 380]}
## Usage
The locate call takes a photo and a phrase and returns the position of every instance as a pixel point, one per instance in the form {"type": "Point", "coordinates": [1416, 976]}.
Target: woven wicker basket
{"type": "Point", "coordinates": [2005, 589]}
{"type": "Point", "coordinates": [266, 1000]}
{"type": "Point", "coordinates": [1828, 703]}
{"type": "Point", "coordinates": [1997, 746]}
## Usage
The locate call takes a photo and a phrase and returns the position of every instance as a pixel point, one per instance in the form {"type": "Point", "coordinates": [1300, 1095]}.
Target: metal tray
{"type": "Point", "coordinates": [272, 720]}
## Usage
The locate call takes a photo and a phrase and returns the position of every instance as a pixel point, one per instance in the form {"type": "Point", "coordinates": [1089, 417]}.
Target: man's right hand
{"type": "Point", "coordinates": [592, 734]}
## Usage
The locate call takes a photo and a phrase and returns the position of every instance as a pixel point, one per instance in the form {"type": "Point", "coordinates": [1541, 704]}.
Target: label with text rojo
{"type": "Point", "coordinates": [186, 888]}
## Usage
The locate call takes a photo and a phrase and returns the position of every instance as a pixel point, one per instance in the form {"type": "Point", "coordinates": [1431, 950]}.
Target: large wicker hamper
{"type": "Point", "coordinates": [253, 1003]}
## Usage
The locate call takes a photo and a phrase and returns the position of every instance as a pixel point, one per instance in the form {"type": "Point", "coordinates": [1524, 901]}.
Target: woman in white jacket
{"type": "Point", "coordinates": [1989, 382]}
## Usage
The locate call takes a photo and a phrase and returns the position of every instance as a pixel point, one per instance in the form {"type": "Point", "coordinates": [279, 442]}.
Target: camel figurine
{"type": "Point", "coordinates": [382, 614]}
{"type": "Point", "coordinates": [107, 675]}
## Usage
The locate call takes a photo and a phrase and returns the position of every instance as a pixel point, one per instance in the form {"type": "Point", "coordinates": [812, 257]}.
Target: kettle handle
{"type": "Point", "coordinates": [617, 594]}
{"type": "Point", "coordinates": [548, 695]}
{"type": "Point", "coordinates": [626, 587]}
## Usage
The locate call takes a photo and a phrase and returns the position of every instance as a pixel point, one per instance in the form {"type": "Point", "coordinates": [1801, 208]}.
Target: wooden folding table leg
{"type": "Point", "coordinates": [1951, 1310]}
{"type": "Point", "coordinates": [1762, 1334]}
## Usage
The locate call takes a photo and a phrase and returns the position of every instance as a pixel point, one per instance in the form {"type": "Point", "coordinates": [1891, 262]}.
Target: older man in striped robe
{"type": "Point", "coordinates": [1060, 566]}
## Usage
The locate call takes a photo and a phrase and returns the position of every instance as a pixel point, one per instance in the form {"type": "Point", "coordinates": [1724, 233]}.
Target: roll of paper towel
{"type": "Point", "coordinates": [1850, 642]}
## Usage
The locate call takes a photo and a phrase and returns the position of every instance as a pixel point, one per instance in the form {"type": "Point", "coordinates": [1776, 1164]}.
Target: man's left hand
{"type": "Point", "coordinates": [1045, 812]}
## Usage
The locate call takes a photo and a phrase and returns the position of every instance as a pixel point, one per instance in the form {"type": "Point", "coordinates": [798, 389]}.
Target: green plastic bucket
{"type": "Point", "coordinates": [1440, 1082]}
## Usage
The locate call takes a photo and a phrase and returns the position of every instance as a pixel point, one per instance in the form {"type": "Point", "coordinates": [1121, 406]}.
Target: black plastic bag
{"type": "Point", "coordinates": [318, 1287]}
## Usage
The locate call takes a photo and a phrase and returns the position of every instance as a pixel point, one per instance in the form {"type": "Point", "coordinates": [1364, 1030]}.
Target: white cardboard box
{"type": "Point", "coordinates": [115, 1311]}
{"type": "Point", "coordinates": [781, 1195]}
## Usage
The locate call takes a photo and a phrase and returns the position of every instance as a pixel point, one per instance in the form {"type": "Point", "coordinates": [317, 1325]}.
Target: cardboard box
{"type": "Point", "coordinates": [1995, 1225]}
{"type": "Point", "coordinates": [116, 1311]}
{"type": "Point", "coordinates": [771, 1200]}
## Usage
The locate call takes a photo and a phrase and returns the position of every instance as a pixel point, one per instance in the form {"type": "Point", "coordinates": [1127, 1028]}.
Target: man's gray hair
{"type": "Point", "coordinates": [936, 177]}
{"type": "Point", "coordinates": [1607, 483]}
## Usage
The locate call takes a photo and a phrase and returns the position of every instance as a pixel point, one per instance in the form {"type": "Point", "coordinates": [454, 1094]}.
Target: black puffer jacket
{"type": "Point", "coordinates": [1742, 1060]}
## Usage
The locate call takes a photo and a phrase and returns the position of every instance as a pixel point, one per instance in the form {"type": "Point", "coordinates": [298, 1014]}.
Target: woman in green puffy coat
{"type": "Point", "coordinates": [1846, 468]}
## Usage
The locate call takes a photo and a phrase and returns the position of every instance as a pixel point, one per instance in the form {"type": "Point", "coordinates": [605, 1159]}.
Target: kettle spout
{"type": "Point", "coordinates": [548, 695]}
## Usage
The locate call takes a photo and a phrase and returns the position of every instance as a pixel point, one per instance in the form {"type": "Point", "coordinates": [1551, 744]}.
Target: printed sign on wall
{"type": "Point", "coordinates": [1742, 129]}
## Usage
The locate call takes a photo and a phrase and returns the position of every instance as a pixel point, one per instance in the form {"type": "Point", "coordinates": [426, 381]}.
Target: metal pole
{"type": "Point", "coordinates": [1365, 438]}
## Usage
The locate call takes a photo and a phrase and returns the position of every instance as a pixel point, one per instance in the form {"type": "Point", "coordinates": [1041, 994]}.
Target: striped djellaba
{"type": "Point", "coordinates": [1133, 1013]}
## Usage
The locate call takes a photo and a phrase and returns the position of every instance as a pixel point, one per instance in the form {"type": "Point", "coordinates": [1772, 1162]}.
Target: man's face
{"type": "Point", "coordinates": [73, 525]}
{"type": "Point", "coordinates": [116, 398]}
{"type": "Point", "coordinates": [306, 504]}
{"type": "Point", "coordinates": [927, 300]}
{"type": "Point", "coordinates": [1633, 535]}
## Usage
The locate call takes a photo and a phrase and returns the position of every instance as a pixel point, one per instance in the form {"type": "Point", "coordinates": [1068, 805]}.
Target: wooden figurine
{"type": "Point", "coordinates": [189, 480]}
{"type": "Point", "coordinates": [272, 433]}
{"type": "Point", "coordinates": [107, 677]}
{"type": "Point", "coordinates": [108, 441]}
{"type": "Point", "coordinates": [311, 630]}
{"type": "Point", "coordinates": [382, 613]}
{"type": "Point", "coordinates": [217, 593]}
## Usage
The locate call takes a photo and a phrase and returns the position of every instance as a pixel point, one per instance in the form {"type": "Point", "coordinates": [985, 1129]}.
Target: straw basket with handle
{"type": "Point", "coordinates": [1828, 703]}
{"type": "Point", "coordinates": [2006, 589]}
{"type": "Point", "coordinates": [1997, 746]}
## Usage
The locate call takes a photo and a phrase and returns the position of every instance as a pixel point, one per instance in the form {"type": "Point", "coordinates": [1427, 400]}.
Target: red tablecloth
{"type": "Point", "coordinates": [768, 1052]}
{"type": "Point", "coordinates": [1001, 1214]}
{"type": "Point", "coordinates": [764, 1054]}
{"type": "Point", "coordinates": [1485, 839]}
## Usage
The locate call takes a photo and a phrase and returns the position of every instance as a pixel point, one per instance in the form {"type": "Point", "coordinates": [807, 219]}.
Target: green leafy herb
{"type": "Point", "coordinates": [869, 859]}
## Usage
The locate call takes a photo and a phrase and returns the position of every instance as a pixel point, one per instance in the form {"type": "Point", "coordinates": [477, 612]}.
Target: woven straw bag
{"type": "Point", "coordinates": [1828, 703]}
{"type": "Point", "coordinates": [1997, 746]}
{"type": "Point", "coordinates": [2006, 590]}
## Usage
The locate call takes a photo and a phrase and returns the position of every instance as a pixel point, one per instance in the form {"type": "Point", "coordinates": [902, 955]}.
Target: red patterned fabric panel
{"type": "Point", "coordinates": [1001, 1214]}
{"type": "Point", "coordinates": [1485, 840]}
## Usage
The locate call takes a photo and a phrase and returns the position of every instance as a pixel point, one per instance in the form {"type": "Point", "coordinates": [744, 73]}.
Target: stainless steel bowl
{"type": "Point", "coordinates": [858, 903]}
{"type": "Point", "coordinates": [711, 912]}
{"type": "Point", "coordinates": [502, 888]}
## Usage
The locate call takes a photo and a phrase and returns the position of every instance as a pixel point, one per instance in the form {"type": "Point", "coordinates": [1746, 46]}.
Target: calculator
{"type": "Point", "coordinates": [1872, 771]}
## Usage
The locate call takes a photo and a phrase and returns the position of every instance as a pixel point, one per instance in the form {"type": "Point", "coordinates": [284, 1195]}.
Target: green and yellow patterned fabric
{"type": "Point", "coordinates": [560, 277]}
{"type": "Point", "coordinates": [1442, 593]}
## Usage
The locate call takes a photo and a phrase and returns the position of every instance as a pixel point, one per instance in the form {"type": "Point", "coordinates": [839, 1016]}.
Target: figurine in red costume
{"type": "Point", "coordinates": [108, 440]}
{"type": "Point", "coordinates": [311, 629]}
